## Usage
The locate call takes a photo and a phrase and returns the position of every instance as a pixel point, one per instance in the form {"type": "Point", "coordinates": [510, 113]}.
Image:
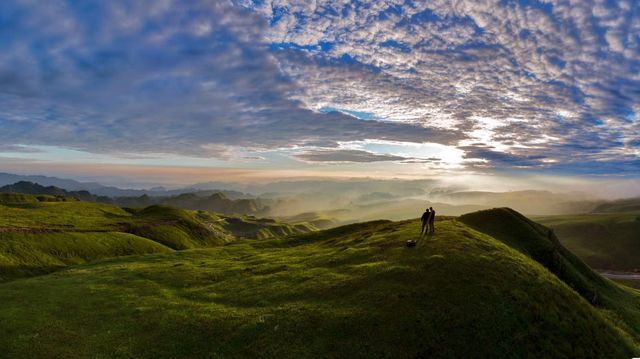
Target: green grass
{"type": "Point", "coordinates": [16, 198]}
{"type": "Point", "coordinates": [541, 244]}
{"type": "Point", "coordinates": [175, 228]}
{"type": "Point", "coordinates": [62, 216]}
{"type": "Point", "coordinates": [604, 241]}
{"type": "Point", "coordinates": [349, 292]}
{"type": "Point", "coordinates": [629, 283]}
{"type": "Point", "coordinates": [28, 254]}
{"type": "Point", "coordinates": [263, 228]}
{"type": "Point", "coordinates": [320, 220]}
{"type": "Point", "coordinates": [41, 236]}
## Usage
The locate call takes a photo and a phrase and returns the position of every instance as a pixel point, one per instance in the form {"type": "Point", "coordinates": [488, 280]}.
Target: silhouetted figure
{"type": "Point", "coordinates": [425, 221]}
{"type": "Point", "coordinates": [432, 219]}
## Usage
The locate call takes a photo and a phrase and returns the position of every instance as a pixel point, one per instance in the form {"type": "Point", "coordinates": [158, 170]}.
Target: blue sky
{"type": "Point", "coordinates": [397, 87]}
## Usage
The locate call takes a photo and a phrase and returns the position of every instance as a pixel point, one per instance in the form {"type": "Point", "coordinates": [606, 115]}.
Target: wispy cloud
{"type": "Point", "coordinates": [346, 156]}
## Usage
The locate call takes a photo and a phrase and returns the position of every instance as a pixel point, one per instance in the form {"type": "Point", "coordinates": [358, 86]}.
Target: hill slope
{"type": "Point", "coordinates": [541, 244]}
{"type": "Point", "coordinates": [354, 291]}
{"type": "Point", "coordinates": [24, 254]}
{"type": "Point", "coordinates": [604, 241]}
{"type": "Point", "coordinates": [39, 235]}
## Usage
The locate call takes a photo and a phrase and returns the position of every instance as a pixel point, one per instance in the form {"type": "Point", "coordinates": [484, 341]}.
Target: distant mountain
{"type": "Point", "coordinates": [37, 189]}
{"type": "Point", "coordinates": [33, 188]}
{"type": "Point", "coordinates": [351, 187]}
{"type": "Point", "coordinates": [110, 191]}
{"type": "Point", "coordinates": [72, 185]}
{"type": "Point", "coordinates": [67, 184]}
{"type": "Point", "coordinates": [215, 201]}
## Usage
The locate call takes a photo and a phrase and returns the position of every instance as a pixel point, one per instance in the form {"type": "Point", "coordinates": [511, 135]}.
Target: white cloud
{"type": "Point", "coordinates": [504, 81]}
{"type": "Point", "coordinates": [443, 64]}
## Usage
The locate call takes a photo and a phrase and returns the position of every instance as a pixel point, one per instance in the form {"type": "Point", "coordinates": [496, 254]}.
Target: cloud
{"type": "Point", "coordinates": [6, 148]}
{"type": "Point", "coordinates": [346, 156]}
{"type": "Point", "coordinates": [498, 159]}
{"type": "Point", "coordinates": [553, 75]}
{"type": "Point", "coordinates": [513, 83]}
{"type": "Point", "coordinates": [160, 77]}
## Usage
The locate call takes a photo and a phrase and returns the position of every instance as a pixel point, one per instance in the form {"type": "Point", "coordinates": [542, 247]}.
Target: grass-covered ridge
{"type": "Point", "coordinates": [541, 244]}
{"type": "Point", "coordinates": [39, 234]}
{"type": "Point", "coordinates": [354, 291]}
{"type": "Point", "coordinates": [25, 254]}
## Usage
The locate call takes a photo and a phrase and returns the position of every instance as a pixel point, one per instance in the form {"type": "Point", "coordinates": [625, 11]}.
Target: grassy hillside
{"type": "Point", "coordinates": [14, 198]}
{"type": "Point", "coordinates": [174, 228]}
{"type": "Point", "coordinates": [262, 228]}
{"type": "Point", "coordinates": [58, 216]}
{"type": "Point", "coordinates": [349, 292]}
{"type": "Point", "coordinates": [38, 235]}
{"type": "Point", "coordinates": [604, 241]}
{"type": "Point", "coordinates": [541, 244]}
{"type": "Point", "coordinates": [318, 219]}
{"type": "Point", "coordinates": [27, 254]}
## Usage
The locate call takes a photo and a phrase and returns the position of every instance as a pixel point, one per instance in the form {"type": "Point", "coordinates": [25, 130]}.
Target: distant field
{"type": "Point", "coordinates": [605, 241]}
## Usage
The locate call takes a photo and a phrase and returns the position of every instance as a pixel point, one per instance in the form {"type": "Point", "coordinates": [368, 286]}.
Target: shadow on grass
{"type": "Point", "coordinates": [10, 273]}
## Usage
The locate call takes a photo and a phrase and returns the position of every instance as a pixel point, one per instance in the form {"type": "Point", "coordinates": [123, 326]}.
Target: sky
{"type": "Point", "coordinates": [393, 89]}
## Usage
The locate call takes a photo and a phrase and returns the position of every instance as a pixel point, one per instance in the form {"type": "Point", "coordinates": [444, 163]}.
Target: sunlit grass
{"type": "Point", "coordinates": [354, 292]}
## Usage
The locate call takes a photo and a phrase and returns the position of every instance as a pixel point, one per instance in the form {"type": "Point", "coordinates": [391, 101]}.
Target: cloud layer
{"type": "Point", "coordinates": [537, 84]}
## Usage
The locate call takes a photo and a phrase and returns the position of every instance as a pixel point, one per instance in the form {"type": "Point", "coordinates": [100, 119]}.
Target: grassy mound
{"type": "Point", "coordinates": [175, 228]}
{"type": "Point", "coordinates": [28, 254]}
{"type": "Point", "coordinates": [604, 241]}
{"type": "Point", "coordinates": [263, 228]}
{"type": "Point", "coordinates": [16, 198]}
{"type": "Point", "coordinates": [319, 220]}
{"type": "Point", "coordinates": [352, 292]}
{"type": "Point", "coordinates": [539, 243]}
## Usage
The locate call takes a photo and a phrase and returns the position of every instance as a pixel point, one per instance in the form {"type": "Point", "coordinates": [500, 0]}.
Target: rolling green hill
{"type": "Point", "coordinates": [321, 220]}
{"type": "Point", "coordinates": [25, 254]}
{"type": "Point", "coordinates": [351, 292]}
{"type": "Point", "coordinates": [604, 241]}
{"type": "Point", "coordinates": [16, 198]}
{"type": "Point", "coordinates": [40, 235]}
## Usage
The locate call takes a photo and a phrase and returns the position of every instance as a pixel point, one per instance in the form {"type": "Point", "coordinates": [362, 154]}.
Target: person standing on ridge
{"type": "Point", "coordinates": [432, 219]}
{"type": "Point", "coordinates": [425, 222]}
